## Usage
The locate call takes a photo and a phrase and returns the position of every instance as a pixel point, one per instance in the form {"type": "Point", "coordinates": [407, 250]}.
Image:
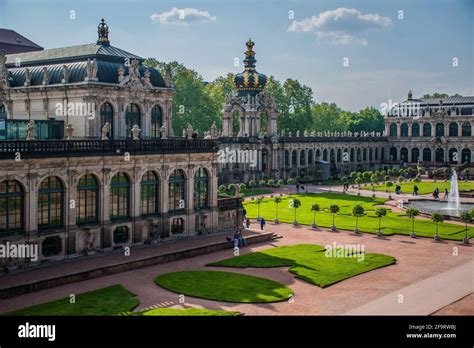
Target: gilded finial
{"type": "Point", "coordinates": [103, 31]}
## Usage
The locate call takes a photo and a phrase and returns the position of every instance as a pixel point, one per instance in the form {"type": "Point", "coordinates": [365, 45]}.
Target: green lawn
{"type": "Point", "coordinates": [224, 286]}
{"type": "Point", "coordinates": [424, 187]}
{"type": "Point", "coordinates": [393, 223]}
{"type": "Point", "coordinates": [184, 312]}
{"type": "Point", "coordinates": [107, 301]}
{"type": "Point", "coordinates": [309, 262]}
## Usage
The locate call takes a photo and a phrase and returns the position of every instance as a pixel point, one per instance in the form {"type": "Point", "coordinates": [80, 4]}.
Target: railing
{"type": "Point", "coordinates": [229, 203]}
{"type": "Point", "coordinates": [70, 148]}
{"type": "Point", "coordinates": [331, 139]}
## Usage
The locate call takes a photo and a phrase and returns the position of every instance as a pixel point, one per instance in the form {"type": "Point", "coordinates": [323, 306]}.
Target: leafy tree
{"type": "Point", "coordinates": [222, 189]}
{"type": "Point", "coordinates": [295, 204]}
{"type": "Point", "coordinates": [315, 208]}
{"type": "Point", "coordinates": [437, 218]}
{"type": "Point", "coordinates": [380, 213]}
{"type": "Point", "coordinates": [327, 117]}
{"type": "Point", "coordinates": [357, 211]}
{"type": "Point", "coordinates": [466, 218]}
{"type": "Point", "coordinates": [277, 201]}
{"type": "Point", "coordinates": [281, 182]}
{"type": "Point", "coordinates": [258, 201]}
{"type": "Point", "coordinates": [252, 183]}
{"type": "Point", "coordinates": [412, 213]}
{"type": "Point", "coordinates": [262, 183]}
{"type": "Point", "coordinates": [333, 209]}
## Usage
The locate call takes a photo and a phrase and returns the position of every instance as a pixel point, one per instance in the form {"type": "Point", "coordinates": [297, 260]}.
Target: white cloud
{"type": "Point", "coordinates": [342, 26]}
{"type": "Point", "coordinates": [183, 16]}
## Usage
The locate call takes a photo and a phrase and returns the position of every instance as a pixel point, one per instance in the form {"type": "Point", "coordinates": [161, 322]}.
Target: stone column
{"type": "Point", "coordinates": [31, 204]}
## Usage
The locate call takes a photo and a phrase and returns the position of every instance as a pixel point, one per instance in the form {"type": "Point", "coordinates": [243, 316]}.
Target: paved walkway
{"type": "Point", "coordinates": [424, 297]}
{"type": "Point", "coordinates": [417, 259]}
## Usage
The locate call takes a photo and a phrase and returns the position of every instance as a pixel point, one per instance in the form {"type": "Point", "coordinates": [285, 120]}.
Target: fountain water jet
{"type": "Point", "coordinates": [453, 198]}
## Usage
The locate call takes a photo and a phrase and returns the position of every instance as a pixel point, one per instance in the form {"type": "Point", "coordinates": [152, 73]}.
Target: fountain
{"type": "Point", "coordinates": [453, 198]}
{"type": "Point", "coordinates": [453, 207]}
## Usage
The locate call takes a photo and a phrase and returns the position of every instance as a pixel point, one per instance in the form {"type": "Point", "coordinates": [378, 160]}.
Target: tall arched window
{"type": "Point", "coordinates": [176, 191]}
{"type": "Point", "coordinates": [440, 129]}
{"type": "Point", "coordinates": [294, 157]}
{"type": "Point", "coordinates": [287, 158]}
{"type": "Point", "coordinates": [426, 129]}
{"type": "Point", "coordinates": [132, 117]}
{"type": "Point", "coordinates": [119, 197]}
{"type": "Point", "coordinates": [439, 155]}
{"type": "Point", "coordinates": [415, 155]}
{"type": "Point", "coordinates": [339, 155]}
{"type": "Point", "coordinates": [302, 158]}
{"type": "Point", "coordinates": [466, 129]}
{"type": "Point", "coordinates": [415, 130]}
{"type": "Point", "coordinates": [370, 154]}
{"type": "Point", "coordinates": [50, 203]}
{"type": "Point", "coordinates": [87, 200]}
{"type": "Point", "coordinates": [310, 157]}
{"type": "Point", "coordinates": [359, 155]}
{"type": "Point", "coordinates": [156, 121]}
{"type": "Point", "coordinates": [11, 207]}
{"type": "Point", "coordinates": [404, 154]}
{"type": "Point", "coordinates": [393, 130]}
{"type": "Point", "coordinates": [453, 129]}
{"type": "Point", "coordinates": [466, 156]}
{"type": "Point", "coordinates": [107, 115]}
{"type": "Point", "coordinates": [453, 155]}
{"type": "Point", "coordinates": [150, 194]}
{"type": "Point", "coordinates": [404, 130]}
{"type": "Point", "coordinates": [325, 155]}
{"type": "Point", "coordinates": [352, 155]}
{"type": "Point", "coordinates": [393, 154]}
{"type": "Point", "coordinates": [426, 155]}
{"type": "Point", "coordinates": [3, 122]}
{"type": "Point", "coordinates": [201, 189]}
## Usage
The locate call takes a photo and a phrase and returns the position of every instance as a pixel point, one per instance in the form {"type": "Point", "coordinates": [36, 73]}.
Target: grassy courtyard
{"type": "Point", "coordinates": [424, 187]}
{"type": "Point", "coordinates": [113, 300]}
{"type": "Point", "coordinates": [224, 286]}
{"type": "Point", "coordinates": [393, 223]}
{"type": "Point", "coordinates": [309, 262]}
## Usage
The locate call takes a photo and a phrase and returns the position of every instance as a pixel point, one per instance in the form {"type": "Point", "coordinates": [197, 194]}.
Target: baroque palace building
{"type": "Point", "coordinates": [88, 158]}
{"type": "Point", "coordinates": [427, 132]}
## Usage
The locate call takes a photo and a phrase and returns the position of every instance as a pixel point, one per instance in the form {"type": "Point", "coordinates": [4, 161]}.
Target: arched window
{"type": "Point", "coordinates": [11, 207]}
{"type": "Point", "coordinates": [339, 155]}
{"type": "Point", "coordinates": [466, 156]}
{"type": "Point", "coordinates": [359, 156]}
{"type": "Point", "coordinates": [325, 155]}
{"type": "Point", "coordinates": [466, 129]}
{"type": "Point", "coordinates": [453, 129]}
{"type": "Point", "coordinates": [427, 129]}
{"type": "Point", "coordinates": [404, 130]}
{"type": "Point", "coordinates": [132, 117]}
{"type": "Point", "coordinates": [393, 154]}
{"type": "Point", "coordinates": [318, 154]}
{"type": "Point", "coordinates": [352, 155]}
{"type": "Point", "coordinates": [332, 156]}
{"type": "Point", "coordinates": [50, 203]}
{"type": "Point", "coordinates": [376, 153]}
{"type": "Point", "coordinates": [364, 154]}
{"type": "Point", "coordinates": [415, 130]}
{"type": "Point", "coordinates": [439, 155]}
{"type": "Point", "coordinates": [287, 158]}
{"type": "Point", "coordinates": [236, 123]}
{"type": "Point", "coordinates": [150, 197]}
{"type": "Point", "coordinates": [119, 197]}
{"type": "Point", "coordinates": [404, 154]}
{"type": "Point", "coordinates": [370, 154]}
{"type": "Point", "coordinates": [294, 158]}
{"type": "Point", "coordinates": [393, 130]}
{"type": "Point", "coordinates": [415, 155]}
{"type": "Point", "coordinates": [440, 129]}
{"type": "Point", "coordinates": [382, 154]}
{"type": "Point", "coordinates": [453, 155]}
{"type": "Point", "coordinates": [201, 189]}
{"type": "Point", "coordinates": [3, 122]}
{"type": "Point", "coordinates": [426, 155]}
{"type": "Point", "coordinates": [156, 121]}
{"type": "Point", "coordinates": [176, 191]}
{"type": "Point", "coordinates": [302, 158]}
{"type": "Point", "coordinates": [87, 200]}
{"type": "Point", "coordinates": [107, 115]}
{"type": "Point", "coordinates": [310, 157]}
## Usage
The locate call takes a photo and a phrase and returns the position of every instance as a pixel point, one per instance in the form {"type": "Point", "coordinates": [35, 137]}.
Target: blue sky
{"type": "Point", "coordinates": [387, 55]}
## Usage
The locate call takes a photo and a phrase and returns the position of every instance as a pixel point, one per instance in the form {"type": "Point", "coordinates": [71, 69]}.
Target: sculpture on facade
{"type": "Point", "coordinates": [189, 131]}
{"type": "Point", "coordinates": [89, 238]}
{"type": "Point", "coordinates": [214, 132]}
{"type": "Point", "coordinates": [45, 76]}
{"type": "Point", "coordinates": [105, 131]}
{"type": "Point", "coordinates": [68, 132]}
{"type": "Point", "coordinates": [28, 77]}
{"type": "Point", "coordinates": [168, 77]}
{"type": "Point", "coordinates": [3, 70]}
{"type": "Point", "coordinates": [91, 70]}
{"type": "Point", "coordinates": [163, 130]}
{"type": "Point", "coordinates": [66, 74]}
{"type": "Point", "coordinates": [136, 132]}
{"type": "Point", "coordinates": [30, 130]}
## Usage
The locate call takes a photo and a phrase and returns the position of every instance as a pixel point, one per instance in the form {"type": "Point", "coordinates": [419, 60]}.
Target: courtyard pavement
{"type": "Point", "coordinates": [418, 260]}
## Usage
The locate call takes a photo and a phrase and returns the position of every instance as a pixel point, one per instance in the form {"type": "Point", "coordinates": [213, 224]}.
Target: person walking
{"type": "Point", "coordinates": [446, 194]}
{"type": "Point", "coordinates": [262, 223]}
{"type": "Point", "coordinates": [415, 190]}
{"type": "Point", "coordinates": [247, 223]}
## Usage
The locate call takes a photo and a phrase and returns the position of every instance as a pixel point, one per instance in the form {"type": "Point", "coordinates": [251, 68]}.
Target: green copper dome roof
{"type": "Point", "coordinates": [249, 81]}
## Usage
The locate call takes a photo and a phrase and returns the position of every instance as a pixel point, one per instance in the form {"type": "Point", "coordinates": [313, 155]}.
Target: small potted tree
{"type": "Point", "coordinates": [333, 209]}
{"type": "Point", "coordinates": [412, 213]}
{"type": "Point", "coordinates": [357, 211]}
{"type": "Point", "coordinates": [389, 184]}
{"type": "Point", "coordinates": [295, 204]}
{"type": "Point", "coordinates": [358, 181]}
{"type": "Point", "coordinates": [258, 201]}
{"type": "Point", "coordinates": [315, 208]}
{"type": "Point", "coordinates": [437, 218]}
{"type": "Point", "coordinates": [380, 213]}
{"type": "Point", "coordinates": [466, 217]}
{"type": "Point", "coordinates": [277, 201]}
